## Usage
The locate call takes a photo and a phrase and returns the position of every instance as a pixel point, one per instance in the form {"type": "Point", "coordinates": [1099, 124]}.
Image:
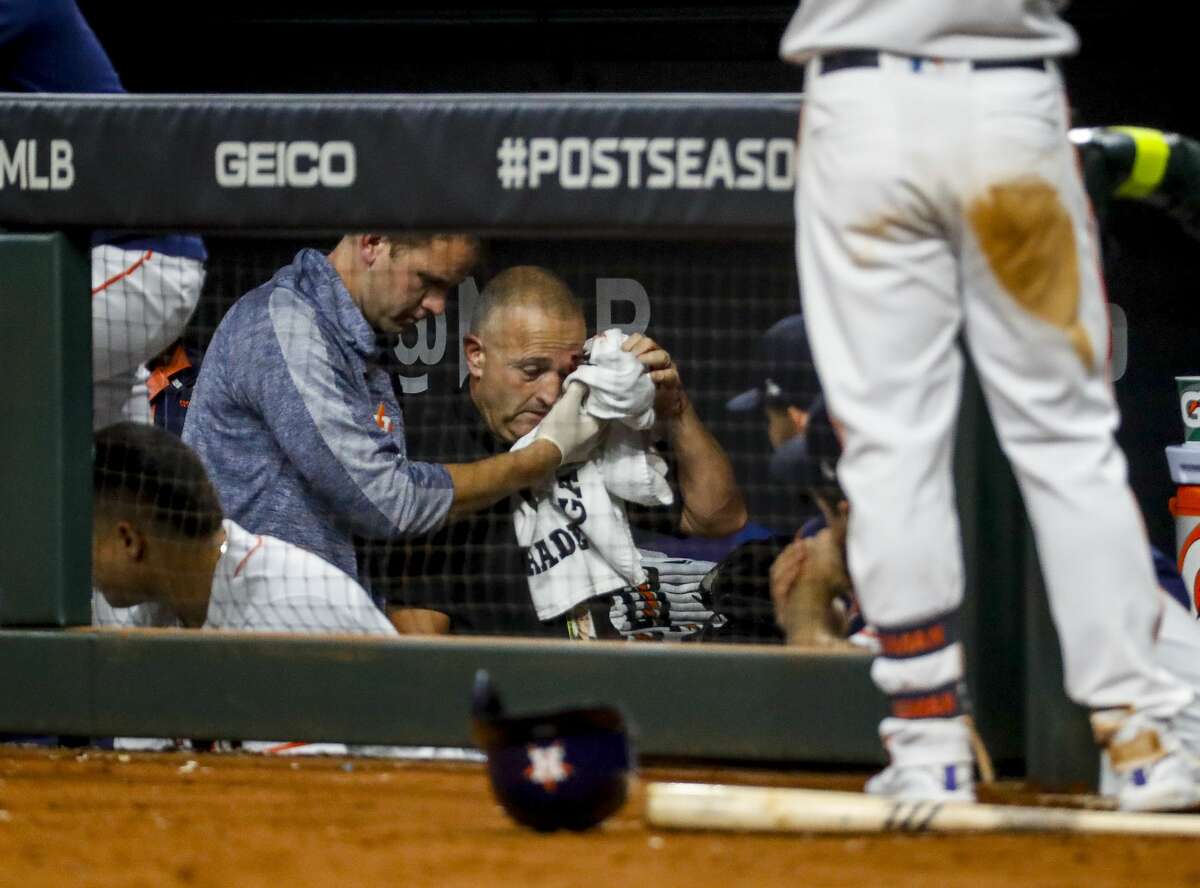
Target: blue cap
{"type": "Point", "coordinates": [788, 376]}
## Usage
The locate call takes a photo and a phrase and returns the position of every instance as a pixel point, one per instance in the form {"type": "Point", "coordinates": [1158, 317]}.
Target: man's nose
{"type": "Point", "coordinates": [549, 389]}
{"type": "Point", "coordinates": [435, 302]}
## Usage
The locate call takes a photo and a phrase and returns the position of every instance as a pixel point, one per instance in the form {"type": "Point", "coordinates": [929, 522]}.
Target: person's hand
{"type": "Point", "coordinates": [809, 616]}
{"type": "Point", "coordinates": [785, 571]}
{"type": "Point", "coordinates": [569, 428]}
{"type": "Point", "coordinates": [670, 399]}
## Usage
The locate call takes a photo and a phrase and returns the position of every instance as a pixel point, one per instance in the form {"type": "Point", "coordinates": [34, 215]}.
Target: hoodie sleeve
{"type": "Point", "coordinates": [321, 417]}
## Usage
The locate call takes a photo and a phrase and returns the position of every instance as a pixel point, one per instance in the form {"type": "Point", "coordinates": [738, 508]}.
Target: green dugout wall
{"type": "Point", "coordinates": [735, 703]}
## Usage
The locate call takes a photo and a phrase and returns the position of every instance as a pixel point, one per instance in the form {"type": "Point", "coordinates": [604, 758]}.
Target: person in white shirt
{"type": "Point", "coordinates": [163, 555]}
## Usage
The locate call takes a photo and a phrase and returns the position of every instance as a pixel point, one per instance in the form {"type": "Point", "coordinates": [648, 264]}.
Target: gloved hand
{"type": "Point", "coordinates": [569, 428]}
{"type": "Point", "coordinates": [671, 605]}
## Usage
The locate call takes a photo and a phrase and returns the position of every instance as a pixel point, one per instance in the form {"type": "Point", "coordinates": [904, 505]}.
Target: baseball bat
{"type": "Point", "coordinates": [772, 809]}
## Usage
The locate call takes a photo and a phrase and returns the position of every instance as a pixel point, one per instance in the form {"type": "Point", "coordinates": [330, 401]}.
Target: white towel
{"type": "Point", "coordinates": [574, 530]}
{"type": "Point", "coordinates": [619, 389]}
{"type": "Point", "coordinates": [576, 538]}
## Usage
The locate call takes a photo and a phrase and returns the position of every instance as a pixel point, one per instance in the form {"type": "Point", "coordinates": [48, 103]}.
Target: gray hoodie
{"type": "Point", "coordinates": [295, 419]}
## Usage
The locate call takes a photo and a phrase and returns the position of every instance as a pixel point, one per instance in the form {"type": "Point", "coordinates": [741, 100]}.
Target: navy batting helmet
{"type": "Point", "coordinates": [556, 770]}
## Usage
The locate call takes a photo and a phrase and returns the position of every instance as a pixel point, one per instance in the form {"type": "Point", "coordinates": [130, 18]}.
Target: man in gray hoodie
{"type": "Point", "coordinates": [295, 418]}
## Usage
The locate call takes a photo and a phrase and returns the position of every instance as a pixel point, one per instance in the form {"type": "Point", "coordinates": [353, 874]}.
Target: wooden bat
{"type": "Point", "coordinates": [771, 809]}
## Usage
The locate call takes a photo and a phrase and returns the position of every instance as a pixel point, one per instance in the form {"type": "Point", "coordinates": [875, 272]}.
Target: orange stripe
{"type": "Point", "coordinates": [1186, 500]}
{"type": "Point", "coordinates": [130, 270]}
{"type": "Point", "coordinates": [1187, 544]}
{"type": "Point", "coordinates": [915, 641]}
{"type": "Point", "coordinates": [283, 747]}
{"type": "Point", "coordinates": [943, 705]}
{"type": "Point", "coordinates": [257, 545]}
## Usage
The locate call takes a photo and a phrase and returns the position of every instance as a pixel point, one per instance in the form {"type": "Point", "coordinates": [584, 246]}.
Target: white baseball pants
{"type": "Point", "coordinates": [936, 200]}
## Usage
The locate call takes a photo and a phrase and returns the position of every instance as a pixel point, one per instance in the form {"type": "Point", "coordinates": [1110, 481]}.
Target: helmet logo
{"type": "Point", "coordinates": [548, 765]}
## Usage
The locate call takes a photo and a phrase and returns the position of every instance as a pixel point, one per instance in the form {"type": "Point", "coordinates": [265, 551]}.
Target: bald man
{"type": "Point", "coordinates": [526, 336]}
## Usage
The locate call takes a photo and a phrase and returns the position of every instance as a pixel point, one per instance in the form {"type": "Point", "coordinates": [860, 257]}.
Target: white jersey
{"type": "Point", "coordinates": [949, 29]}
{"type": "Point", "coordinates": [141, 302]}
{"type": "Point", "coordinates": [263, 584]}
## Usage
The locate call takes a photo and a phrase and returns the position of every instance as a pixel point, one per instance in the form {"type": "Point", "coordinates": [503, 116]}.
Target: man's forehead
{"type": "Point", "coordinates": [530, 330]}
{"type": "Point", "coordinates": [447, 256]}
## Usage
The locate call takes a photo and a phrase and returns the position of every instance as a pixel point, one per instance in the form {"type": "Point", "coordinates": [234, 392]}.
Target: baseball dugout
{"type": "Point", "coordinates": [669, 214]}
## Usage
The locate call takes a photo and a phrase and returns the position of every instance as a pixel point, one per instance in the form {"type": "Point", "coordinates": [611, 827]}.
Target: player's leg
{"type": "Point", "coordinates": [1038, 331]}
{"type": "Point", "coordinates": [879, 286]}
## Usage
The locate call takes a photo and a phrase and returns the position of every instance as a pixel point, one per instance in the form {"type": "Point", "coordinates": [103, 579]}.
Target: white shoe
{"type": "Point", "coordinates": [920, 783]}
{"type": "Point", "coordinates": [1146, 767]}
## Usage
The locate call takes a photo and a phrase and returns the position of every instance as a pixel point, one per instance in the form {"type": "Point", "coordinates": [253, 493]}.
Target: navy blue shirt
{"type": "Point", "coordinates": [48, 46]}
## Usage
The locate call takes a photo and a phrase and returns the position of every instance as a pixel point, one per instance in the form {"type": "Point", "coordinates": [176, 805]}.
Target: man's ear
{"type": "Point", "coordinates": [133, 543]}
{"type": "Point", "coordinates": [799, 418]}
{"type": "Point", "coordinates": [369, 247]}
{"type": "Point", "coordinates": [473, 349]}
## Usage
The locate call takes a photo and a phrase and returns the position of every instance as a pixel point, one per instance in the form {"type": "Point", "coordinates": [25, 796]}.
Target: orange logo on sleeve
{"type": "Point", "coordinates": [382, 420]}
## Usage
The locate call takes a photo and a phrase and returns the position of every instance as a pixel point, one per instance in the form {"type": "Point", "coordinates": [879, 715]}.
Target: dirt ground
{"type": "Point", "coordinates": [100, 819]}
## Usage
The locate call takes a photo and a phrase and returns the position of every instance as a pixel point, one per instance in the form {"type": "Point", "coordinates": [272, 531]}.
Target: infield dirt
{"type": "Point", "coordinates": [99, 819]}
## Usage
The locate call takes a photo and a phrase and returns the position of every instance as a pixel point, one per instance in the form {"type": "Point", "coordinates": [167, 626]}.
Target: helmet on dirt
{"type": "Point", "coordinates": [557, 770]}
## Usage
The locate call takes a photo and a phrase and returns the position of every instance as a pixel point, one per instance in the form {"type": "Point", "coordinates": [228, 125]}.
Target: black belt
{"type": "Point", "coordinates": [869, 58]}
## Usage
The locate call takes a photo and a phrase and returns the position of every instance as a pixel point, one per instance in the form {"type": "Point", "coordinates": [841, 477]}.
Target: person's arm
{"type": "Point", "coordinates": [315, 405]}
{"type": "Point", "coordinates": [48, 46]}
{"type": "Point", "coordinates": [479, 484]}
{"type": "Point", "coordinates": [712, 503]}
{"type": "Point", "coordinates": [565, 435]}
{"type": "Point", "coordinates": [319, 416]}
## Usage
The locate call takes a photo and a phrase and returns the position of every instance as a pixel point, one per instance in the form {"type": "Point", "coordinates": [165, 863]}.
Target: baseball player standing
{"type": "Point", "coordinates": [938, 193]}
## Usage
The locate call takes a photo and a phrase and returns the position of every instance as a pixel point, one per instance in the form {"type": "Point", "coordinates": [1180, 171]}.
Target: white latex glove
{"type": "Point", "coordinates": [569, 428]}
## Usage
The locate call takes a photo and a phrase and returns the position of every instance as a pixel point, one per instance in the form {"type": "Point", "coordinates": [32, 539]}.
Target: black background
{"type": "Point", "coordinates": [1136, 67]}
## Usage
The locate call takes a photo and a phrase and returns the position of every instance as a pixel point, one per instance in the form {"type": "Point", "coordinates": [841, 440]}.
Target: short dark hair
{"type": "Point", "coordinates": [407, 240]}
{"type": "Point", "coordinates": [525, 285]}
{"type": "Point", "coordinates": [144, 470]}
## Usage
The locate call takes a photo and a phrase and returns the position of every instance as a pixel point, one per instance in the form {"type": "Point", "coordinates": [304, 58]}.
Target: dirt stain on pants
{"type": "Point", "coordinates": [1029, 241]}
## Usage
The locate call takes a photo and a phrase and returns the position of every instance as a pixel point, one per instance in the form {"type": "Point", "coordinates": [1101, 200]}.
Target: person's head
{"type": "Point", "coordinates": [153, 510]}
{"type": "Point", "coordinates": [788, 390]}
{"type": "Point", "coordinates": [397, 279]}
{"type": "Point", "coordinates": [526, 337]}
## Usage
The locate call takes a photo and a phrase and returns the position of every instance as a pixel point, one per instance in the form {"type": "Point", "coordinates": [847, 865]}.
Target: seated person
{"type": "Point", "coordinates": [785, 398]}
{"type": "Point", "coordinates": [164, 555]}
{"type": "Point", "coordinates": [526, 336]}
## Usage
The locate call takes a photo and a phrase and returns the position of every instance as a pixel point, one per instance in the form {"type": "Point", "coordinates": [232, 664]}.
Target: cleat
{"type": "Point", "coordinates": [953, 782]}
{"type": "Point", "coordinates": [1145, 767]}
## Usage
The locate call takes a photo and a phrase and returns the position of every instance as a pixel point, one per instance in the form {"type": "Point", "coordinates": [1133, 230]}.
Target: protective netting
{"type": "Point", "coordinates": [320, 426]}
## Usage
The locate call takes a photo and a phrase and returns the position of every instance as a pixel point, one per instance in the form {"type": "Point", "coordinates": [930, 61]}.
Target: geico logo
{"type": "Point", "coordinates": [285, 164]}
